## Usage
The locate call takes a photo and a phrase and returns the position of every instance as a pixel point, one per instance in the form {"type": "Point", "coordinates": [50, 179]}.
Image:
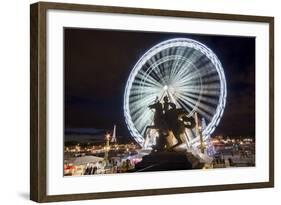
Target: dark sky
{"type": "Point", "coordinates": [98, 63]}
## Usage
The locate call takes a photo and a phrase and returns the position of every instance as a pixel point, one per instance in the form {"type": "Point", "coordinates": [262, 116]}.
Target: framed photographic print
{"type": "Point", "coordinates": [134, 102]}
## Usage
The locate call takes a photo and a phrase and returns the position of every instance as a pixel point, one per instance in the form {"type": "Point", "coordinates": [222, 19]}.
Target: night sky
{"type": "Point", "coordinates": [97, 64]}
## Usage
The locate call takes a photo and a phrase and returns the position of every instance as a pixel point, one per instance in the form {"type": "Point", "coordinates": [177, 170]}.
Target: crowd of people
{"type": "Point", "coordinates": [107, 167]}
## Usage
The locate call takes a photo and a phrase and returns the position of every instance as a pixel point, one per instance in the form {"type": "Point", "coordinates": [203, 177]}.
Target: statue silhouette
{"type": "Point", "coordinates": [166, 104]}
{"type": "Point", "coordinates": [168, 118]}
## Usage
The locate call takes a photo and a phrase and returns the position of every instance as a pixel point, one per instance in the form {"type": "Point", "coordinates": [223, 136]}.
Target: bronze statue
{"type": "Point", "coordinates": [168, 118]}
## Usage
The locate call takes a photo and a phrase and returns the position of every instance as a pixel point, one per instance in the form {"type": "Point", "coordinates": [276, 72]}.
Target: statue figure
{"type": "Point", "coordinates": [166, 104]}
{"type": "Point", "coordinates": [168, 118]}
{"type": "Point", "coordinates": [159, 124]}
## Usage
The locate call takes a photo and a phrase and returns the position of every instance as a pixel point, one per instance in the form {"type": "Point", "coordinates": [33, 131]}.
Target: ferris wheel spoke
{"type": "Point", "coordinates": [195, 74]}
{"type": "Point", "coordinates": [187, 101]}
{"type": "Point", "coordinates": [190, 55]}
{"type": "Point", "coordinates": [204, 114]}
{"type": "Point", "coordinates": [157, 72]}
{"type": "Point", "coordinates": [199, 84]}
{"type": "Point", "coordinates": [209, 86]}
{"type": "Point", "coordinates": [209, 92]}
{"type": "Point", "coordinates": [188, 72]}
{"type": "Point", "coordinates": [146, 90]}
{"type": "Point", "coordinates": [203, 109]}
{"type": "Point", "coordinates": [138, 112]}
{"type": "Point", "coordinates": [202, 61]}
{"type": "Point", "coordinates": [139, 90]}
{"type": "Point", "coordinates": [203, 90]}
{"type": "Point", "coordinates": [183, 105]}
{"type": "Point", "coordinates": [135, 112]}
{"type": "Point", "coordinates": [143, 120]}
{"type": "Point", "coordinates": [150, 82]}
{"type": "Point", "coordinates": [145, 101]}
{"type": "Point", "coordinates": [176, 62]}
{"type": "Point", "coordinates": [204, 70]}
{"type": "Point", "coordinates": [184, 73]}
{"type": "Point", "coordinates": [207, 99]}
{"type": "Point", "coordinates": [183, 69]}
{"type": "Point", "coordinates": [199, 98]}
{"type": "Point", "coordinates": [194, 88]}
{"type": "Point", "coordinates": [185, 84]}
{"type": "Point", "coordinates": [211, 79]}
{"type": "Point", "coordinates": [167, 69]}
{"type": "Point", "coordinates": [148, 79]}
{"type": "Point", "coordinates": [137, 102]}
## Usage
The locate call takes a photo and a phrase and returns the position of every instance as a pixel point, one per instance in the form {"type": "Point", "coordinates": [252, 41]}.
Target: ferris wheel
{"type": "Point", "coordinates": [186, 71]}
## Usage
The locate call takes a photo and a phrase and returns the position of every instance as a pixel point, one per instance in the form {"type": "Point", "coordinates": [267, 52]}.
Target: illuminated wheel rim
{"type": "Point", "coordinates": [185, 70]}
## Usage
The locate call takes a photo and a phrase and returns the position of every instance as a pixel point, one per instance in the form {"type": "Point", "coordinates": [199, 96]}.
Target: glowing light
{"type": "Point", "coordinates": [186, 70]}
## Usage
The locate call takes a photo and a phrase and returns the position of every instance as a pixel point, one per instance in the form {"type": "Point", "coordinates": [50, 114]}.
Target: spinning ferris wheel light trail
{"type": "Point", "coordinates": [185, 70]}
